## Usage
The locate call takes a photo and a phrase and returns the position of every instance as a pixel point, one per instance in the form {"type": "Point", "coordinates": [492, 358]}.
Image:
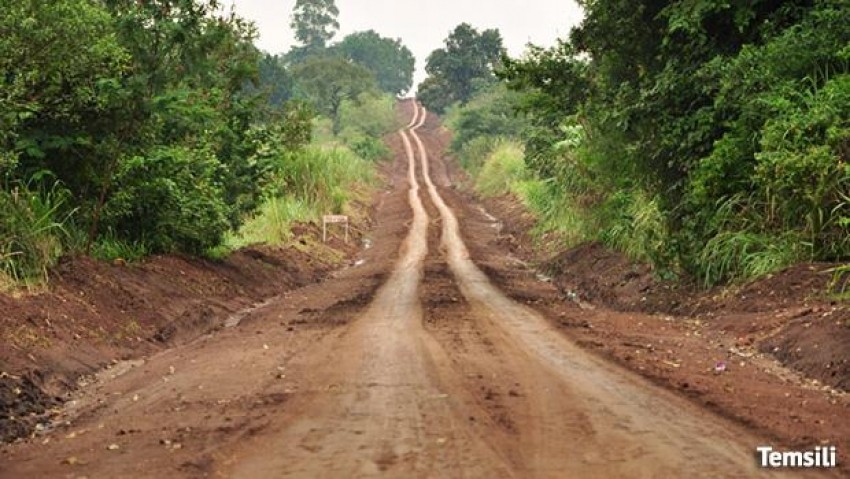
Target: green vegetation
{"type": "Point", "coordinates": [33, 228]}
{"type": "Point", "coordinates": [502, 170]}
{"type": "Point", "coordinates": [349, 84]}
{"type": "Point", "coordinates": [366, 121]}
{"type": "Point", "coordinates": [390, 61]}
{"type": "Point", "coordinates": [463, 66]}
{"type": "Point", "coordinates": [710, 138]}
{"type": "Point", "coordinates": [135, 128]}
{"type": "Point", "coordinates": [322, 181]}
{"type": "Point", "coordinates": [328, 81]}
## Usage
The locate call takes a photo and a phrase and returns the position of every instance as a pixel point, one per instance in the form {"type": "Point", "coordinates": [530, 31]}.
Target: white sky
{"type": "Point", "coordinates": [422, 25]}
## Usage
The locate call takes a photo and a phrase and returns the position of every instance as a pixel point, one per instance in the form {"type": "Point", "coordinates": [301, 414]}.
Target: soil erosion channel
{"type": "Point", "coordinates": [383, 387]}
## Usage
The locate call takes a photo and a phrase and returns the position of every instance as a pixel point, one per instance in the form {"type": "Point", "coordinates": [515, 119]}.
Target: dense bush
{"type": "Point", "coordinates": [367, 119]}
{"type": "Point", "coordinates": [171, 200]}
{"type": "Point", "coordinates": [33, 230]}
{"type": "Point", "coordinates": [134, 127]}
{"type": "Point", "coordinates": [710, 138]}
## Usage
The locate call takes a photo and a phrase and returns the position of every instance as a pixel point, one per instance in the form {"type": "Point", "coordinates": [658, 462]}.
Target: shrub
{"type": "Point", "coordinates": [33, 228]}
{"type": "Point", "coordinates": [504, 167]}
{"type": "Point", "coordinates": [371, 115]}
{"type": "Point", "coordinates": [634, 224]}
{"type": "Point", "coordinates": [171, 201]}
{"type": "Point", "coordinates": [369, 148]}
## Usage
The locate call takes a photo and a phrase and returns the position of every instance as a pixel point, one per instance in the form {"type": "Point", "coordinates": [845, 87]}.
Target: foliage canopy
{"type": "Point", "coordinates": [391, 62]}
{"type": "Point", "coordinates": [725, 121]}
{"type": "Point", "coordinates": [466, 63]}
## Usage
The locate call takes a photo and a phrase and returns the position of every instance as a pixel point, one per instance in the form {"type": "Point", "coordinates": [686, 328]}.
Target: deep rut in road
{"type": "Point", "coordinates": [439, 375]}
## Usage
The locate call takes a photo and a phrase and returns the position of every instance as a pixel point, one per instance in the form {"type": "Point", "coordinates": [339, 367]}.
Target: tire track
{"type": "Point", "coordinates": [386, 410]}
{"type": "Point", "coordinates": [591, 418]}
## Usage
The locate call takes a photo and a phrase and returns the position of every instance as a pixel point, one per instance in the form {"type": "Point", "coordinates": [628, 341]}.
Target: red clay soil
{"type": "Point", "coordinates": [772, 354]}
{"type": "Point", "coordinates": [96, 313]}
{"type": "Point", "coordinates": [788, 315]}
{"type": "Point", "coordinates": [286, 389]}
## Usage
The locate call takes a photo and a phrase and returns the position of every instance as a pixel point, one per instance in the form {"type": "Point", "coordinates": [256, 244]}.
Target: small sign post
{"type": "Point", "coordinates": [330, 219]}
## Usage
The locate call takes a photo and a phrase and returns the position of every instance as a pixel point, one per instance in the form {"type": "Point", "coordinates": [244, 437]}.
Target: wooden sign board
{"type": "Point", "coordinates": [332, 219]}
{"type": "Point", "coordinates": [328, 219]}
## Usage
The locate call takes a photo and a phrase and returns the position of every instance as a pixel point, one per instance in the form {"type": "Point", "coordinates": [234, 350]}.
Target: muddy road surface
{"type": "Point", "coordinates": [410, 364]}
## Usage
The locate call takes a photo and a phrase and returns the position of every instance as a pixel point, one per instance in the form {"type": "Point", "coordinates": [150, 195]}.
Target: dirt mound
{"type": "Point", "coordinates": [600, 275]}
{"type": "Point", "coordinates": [516, 224]}
{"type": "Point", "coordinates": [817, 345]}
{"type": "Point", "coordinates": [95, 313]}
{"type": "Point", "coordinates": [787, 315]}
{"type": "Point", "coordinates": [799, 284]}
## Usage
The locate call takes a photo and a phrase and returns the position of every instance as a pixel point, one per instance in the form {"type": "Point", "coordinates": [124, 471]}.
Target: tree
{"type": "Point", "coordinates": [315, 22]}
{"type": "Point", "coordinates": [433, 93]}
{"type": "Point", "coordinates": [727, 122]}
{"type": "Point", "coordinates": [390, 61]}
{"type": "Point", "coordinates": [555, 83]}
{"type": "Point", "coordinates": [466, 63]}
{"type": "Point", "coordinates": [328, 81]}
{"type": "Point", "coordinates": [274, 81]}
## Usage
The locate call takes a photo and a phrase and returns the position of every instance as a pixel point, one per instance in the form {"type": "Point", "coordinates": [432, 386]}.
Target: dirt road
{"type": "Point", "coordinates": [411, 364]}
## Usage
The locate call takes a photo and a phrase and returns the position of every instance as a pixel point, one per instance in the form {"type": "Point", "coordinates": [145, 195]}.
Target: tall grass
{"type": "Point", "coordinates": [273, 223]}
{"type": "Point", "coordinates": [474, 153]}
{"type": "Point", "coordinates": [503, 168]}
{"type": "Point", "coordinates": [33, 227]}
{"type": "Point", "coordinates": [633, 223]}
{"type": "Point", "coordinates": [322, 176]}
{"type": "Point", "coordinates": [555, 211]}
{"type": "Point", "coordinates": [318, 180]}
{"type": "Point", "coordinates": [572, 207]}
{"type": "Point", "coordinates": [744, 255]}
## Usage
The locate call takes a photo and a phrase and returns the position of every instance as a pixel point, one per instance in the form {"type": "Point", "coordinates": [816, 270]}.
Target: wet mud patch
{"type": "Point", "coordinates": [23, 404]}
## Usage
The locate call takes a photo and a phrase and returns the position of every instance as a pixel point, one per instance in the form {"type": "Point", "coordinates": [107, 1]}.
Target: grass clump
{"type": "Point", "coordinates": [743, 255]}
{"type": "Point", "coordinates": [273, 223]}
{"type": "Point", "coordinates": [503, 168]}
{"type": "Point", "coordinates": [316, 181]}
{"type": "Point", "coordinates": [33, 230]}
{"type": "Point", "coordinates": [110, 248]}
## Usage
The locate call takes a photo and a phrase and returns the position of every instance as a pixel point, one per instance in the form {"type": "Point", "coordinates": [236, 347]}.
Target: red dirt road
{"type": "Point", "coordinates": [412, 364]}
